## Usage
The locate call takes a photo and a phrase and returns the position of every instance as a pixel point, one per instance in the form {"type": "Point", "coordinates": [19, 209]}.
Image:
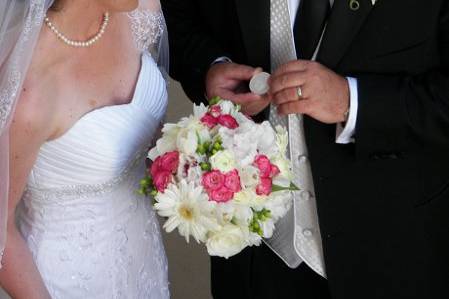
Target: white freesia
{"type": "Point", "coordinates": [227, 107]}
{"type": "Point", "coordinates": [240, 214]}
{"type": "Point", "coordinates": [267, 140]}
{"type": "Point", "coordinates": [199, 110]}
{"type": "Point", "coordinates": [282, 139]}
{"type": "Point", "coordinates": [226, 242]}
{"type": "Point", "coordinates": [188, 209]}
{"type": "Point", "coordinates": [279, 204]}
{"type": "Point", "coordinates": [242, 119]}
{"type": "Point", "coordinates": [286, 174]}
{"type": "Point", "coordinates": [249, 176]}
{"type": "Point", "coordinates": [223, 161]}
{"type": "Point", "coordinates": [249, 198]}
{"type": "Point", "coordinates": [167, 143]}
{"type": "Point", "coordinates": [194, 123]}
{"type": "Point", "coordinates": [187, 141]}
{"type": "Point", "coordinates": [267, 228]}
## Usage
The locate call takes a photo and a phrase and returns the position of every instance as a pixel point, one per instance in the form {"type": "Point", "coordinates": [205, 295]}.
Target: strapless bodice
{"type": "Point", "coordinates": [90, 234]}
{"type": "Point", "coordinates": [101, 145]}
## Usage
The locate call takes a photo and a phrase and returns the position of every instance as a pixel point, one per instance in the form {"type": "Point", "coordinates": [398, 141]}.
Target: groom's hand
{"type": "Point", "coordinates": [324, 95]}
{"type": "Point", "coordinates": [230, 81]}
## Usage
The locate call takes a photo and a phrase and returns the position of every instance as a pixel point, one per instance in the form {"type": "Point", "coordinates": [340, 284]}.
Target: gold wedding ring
{"type": "Point", "coordinates": [299, 92]}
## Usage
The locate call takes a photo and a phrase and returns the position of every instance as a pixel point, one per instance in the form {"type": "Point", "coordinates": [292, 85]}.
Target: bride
{"type": "Point", "coordinates": [81, 98]}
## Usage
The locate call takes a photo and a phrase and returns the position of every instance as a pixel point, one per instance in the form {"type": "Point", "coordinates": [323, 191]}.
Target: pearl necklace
{"type": "Point", "coordinates": [75, 43]}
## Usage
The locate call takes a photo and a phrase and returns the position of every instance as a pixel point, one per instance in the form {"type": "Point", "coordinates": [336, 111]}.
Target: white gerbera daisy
{"type": "Point", "coordinates": [188, 209]}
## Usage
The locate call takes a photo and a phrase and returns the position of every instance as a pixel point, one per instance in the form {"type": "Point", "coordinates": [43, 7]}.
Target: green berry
{"type": "Point", "coordinates": [205, 166]}
{"type": "Point", "coordinates": [214, 101]}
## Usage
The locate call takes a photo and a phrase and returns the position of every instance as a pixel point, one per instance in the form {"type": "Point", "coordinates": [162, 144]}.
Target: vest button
{"type": "Point", "coordinates": [307, 233]}
{"type": "Point", "coordinates": [306, 195]}
{"type": "Point", "coordinates": [302, 159]}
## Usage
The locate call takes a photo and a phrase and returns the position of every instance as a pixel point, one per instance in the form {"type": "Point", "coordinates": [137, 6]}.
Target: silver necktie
{"type": "Point", "coordinates": [297, 237]}
{"type": "Point", "coordinates": [281, 46]}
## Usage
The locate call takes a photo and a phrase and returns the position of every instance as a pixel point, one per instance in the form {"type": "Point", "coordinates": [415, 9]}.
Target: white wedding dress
{"type": "Point", "coordinates": [90, 233]}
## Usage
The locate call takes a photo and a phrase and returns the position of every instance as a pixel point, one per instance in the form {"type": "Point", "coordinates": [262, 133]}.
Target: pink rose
{"type": "Point", "coordinates": [156, 167]}
{"type": "Point", "coordinates": [266, 169]}
{"type": "Point", "coordinates": [215, 110]}
{"type": "Point", "coordinates": [222, 194]}
{"type": "Point", "coordinates": [170, 161]}
{"type": "Point", "coordinates": [213, 180]}
{"type": "Point", "coordinates": [264, 165]}
{"type": "Point", "coordinates": [209, 120]}
{"type": "Point", "coordinates": [161, 180]}
{"type": "Point", "coordinates": [264, 187]}
{"type": "Point", "coordinates": [228, 121]}
{"type": "Point", "coordinates": [274, 171]}
{"type": "Point", "coordinates": [232, 181]}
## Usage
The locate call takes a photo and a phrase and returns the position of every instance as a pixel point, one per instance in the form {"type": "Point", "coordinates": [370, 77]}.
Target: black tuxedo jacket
{"type": "Point", "coordinates": [383, 201]}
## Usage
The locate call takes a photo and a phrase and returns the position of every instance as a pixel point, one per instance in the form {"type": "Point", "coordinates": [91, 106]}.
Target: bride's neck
{"type": "Point", "coordinates": [78, 19]}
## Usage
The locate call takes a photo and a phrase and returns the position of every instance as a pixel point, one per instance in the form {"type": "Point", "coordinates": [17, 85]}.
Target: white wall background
{"type": "Point", "coordinates": [189, 271]}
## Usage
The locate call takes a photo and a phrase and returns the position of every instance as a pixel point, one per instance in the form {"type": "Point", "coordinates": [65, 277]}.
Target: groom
{"type": "Point", "coordinates": [369, 136]}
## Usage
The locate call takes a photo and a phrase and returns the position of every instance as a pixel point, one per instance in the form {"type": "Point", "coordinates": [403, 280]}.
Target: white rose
{"type": "Point", "coordinates": [223, 161]}
{"type": "Point", "coordinates": [226, 242]}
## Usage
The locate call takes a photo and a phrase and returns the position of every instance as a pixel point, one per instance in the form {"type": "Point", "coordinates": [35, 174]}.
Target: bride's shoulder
{"type": "Point", "coordinates": [35, 110]}
{"type": "Point", "coordinates": [34, 115]}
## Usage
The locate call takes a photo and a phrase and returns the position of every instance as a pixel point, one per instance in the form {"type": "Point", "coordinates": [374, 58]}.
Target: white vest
{"type": "Point", "coordinates": [297, 236]}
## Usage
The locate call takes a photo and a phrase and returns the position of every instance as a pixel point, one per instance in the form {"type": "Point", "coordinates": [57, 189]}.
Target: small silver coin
{"type": "Point", "coordinates": [259, 83]}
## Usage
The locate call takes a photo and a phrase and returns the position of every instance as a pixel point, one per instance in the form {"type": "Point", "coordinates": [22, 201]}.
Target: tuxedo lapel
{"type": "Point", "coordinates": [342, 27]}
{"type": "Point", "coordinates": [254, 18]}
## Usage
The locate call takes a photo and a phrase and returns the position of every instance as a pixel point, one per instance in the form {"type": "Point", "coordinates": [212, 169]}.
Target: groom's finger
{"type": "Point", "coordinates": [240, 72]}
{"type": "Point", "coordinates": [245, 98]}
{"type": "Point", "coordinates": [239, 98]}
{"type": "Point", "coordinates": [290, 95]}
{"type": "Point", "coordinates": [297, 107]}
{"type": "Point", "coordinates": [286, 80]}
{"type": "Point", "coordinates": [293, 66]}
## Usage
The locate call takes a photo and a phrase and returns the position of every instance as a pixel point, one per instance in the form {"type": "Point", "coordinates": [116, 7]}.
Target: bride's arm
{"type": "Point", "coordinates": [19, 275]}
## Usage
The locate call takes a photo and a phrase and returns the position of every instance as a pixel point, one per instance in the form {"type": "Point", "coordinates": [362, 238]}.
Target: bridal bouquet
{"type": "Point", "coordinates": [220, 178]}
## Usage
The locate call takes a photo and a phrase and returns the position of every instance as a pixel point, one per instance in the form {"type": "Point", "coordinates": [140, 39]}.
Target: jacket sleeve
{"type": "Point", "coordinates": [397, 110]}
{"type": "Point", "coordinates": [192, 47]}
